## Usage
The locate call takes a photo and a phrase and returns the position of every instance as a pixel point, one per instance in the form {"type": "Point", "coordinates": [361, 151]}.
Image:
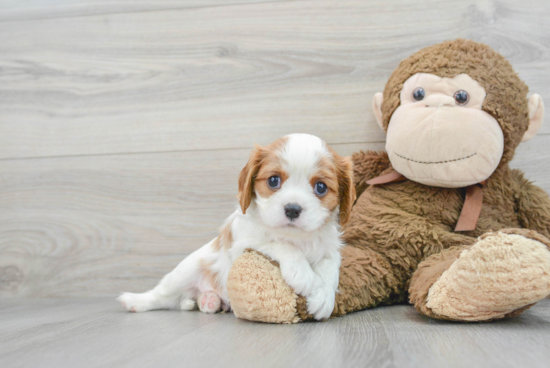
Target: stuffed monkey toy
{"type": "Point", "coordinates": [441, 221]}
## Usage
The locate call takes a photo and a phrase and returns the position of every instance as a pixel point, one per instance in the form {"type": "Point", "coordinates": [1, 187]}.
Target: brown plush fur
{"type": "Point", "coordinates": [400, 237]}
{"type": "Point", "coordinates": [402, 224]}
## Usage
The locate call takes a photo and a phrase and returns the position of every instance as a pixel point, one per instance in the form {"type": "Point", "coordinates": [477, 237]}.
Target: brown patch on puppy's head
{"type": "Point", "coordinates": [271, 166]}
{"type": "Point", "coordinates": [260, 157]}
{"type": "Point", "coordinates": [327, 174]}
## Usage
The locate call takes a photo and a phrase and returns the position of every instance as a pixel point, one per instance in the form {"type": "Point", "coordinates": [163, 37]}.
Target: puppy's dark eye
{"type": "Point", "coordinates": [320, 188]}
{"type": "Point", "coordinates": [418, 94]}
{"type": "Point", "coordinates": [461, 97]}
{"type": "Point", "coordinates": [274, 182]}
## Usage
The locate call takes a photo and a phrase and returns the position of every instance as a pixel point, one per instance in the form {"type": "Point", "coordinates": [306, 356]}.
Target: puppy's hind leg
{"type": "Point", "coordinates": [188, 304]}
{"type": "Point", "coordinates": [142, 302]}
{"type": "Point", "coordinates": [176, 290]}
{"type": "Point", "coordinates": [209, 302]}
{"type": "Point", "coordinates": [166, 295]}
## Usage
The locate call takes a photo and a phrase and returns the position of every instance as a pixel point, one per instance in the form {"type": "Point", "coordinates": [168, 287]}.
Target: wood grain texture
{"type": "Point", "coordinates": [220, 77]}
{"type": "Point", "coordinates": [15, 10]}
{"type": "Point", "coordinates": [98, 333]}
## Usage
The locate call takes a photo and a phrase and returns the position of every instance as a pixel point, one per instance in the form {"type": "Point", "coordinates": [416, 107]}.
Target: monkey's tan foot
{"type": "Point", "coordinates": [501, 275]}
{"type": "Point", "coordinates": [257, 291]}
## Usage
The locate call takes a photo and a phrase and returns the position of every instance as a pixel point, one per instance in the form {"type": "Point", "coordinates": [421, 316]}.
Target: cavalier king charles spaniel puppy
{"type": "Point", "coordinates": [294, 194]}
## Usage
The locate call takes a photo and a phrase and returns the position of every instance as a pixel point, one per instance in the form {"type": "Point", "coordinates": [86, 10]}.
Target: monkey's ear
{"type": "Point", "coordinates": [536, 116]}
{"type": "Point", "coordinates": [377, 108]}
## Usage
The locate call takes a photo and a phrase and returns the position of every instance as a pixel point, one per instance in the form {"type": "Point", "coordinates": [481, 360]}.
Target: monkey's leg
{"type": "Point", "coordinates": [366, 280]}
{"type": "Point", "coordinates": [500, 276]}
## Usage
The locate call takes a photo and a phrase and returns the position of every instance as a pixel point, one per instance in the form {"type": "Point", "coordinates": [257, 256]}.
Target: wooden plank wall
{"type": "Point", "coordinates": [124, 124]}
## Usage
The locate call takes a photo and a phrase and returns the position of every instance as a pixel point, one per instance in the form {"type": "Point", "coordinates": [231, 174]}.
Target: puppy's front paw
{"type": "Point", "coordinates": [320, 303]}
{"type": "Point", "coordinates": [299, 276]}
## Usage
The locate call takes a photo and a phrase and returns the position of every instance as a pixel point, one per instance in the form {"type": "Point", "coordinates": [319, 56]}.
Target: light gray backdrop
{"type": "Point", "coordinates": [124, 124]}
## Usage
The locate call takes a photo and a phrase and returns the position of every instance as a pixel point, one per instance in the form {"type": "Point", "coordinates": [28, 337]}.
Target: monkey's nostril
{"type": "Point", "coordinates": [293, 210]}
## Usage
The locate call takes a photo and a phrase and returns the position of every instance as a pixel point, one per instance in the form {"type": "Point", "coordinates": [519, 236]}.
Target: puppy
{"type": "Point", "coordinates": [293, 196]}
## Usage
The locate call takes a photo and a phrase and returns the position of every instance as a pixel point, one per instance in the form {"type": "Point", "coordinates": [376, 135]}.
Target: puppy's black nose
{"type": "Point", "coordinates": [292, 210]}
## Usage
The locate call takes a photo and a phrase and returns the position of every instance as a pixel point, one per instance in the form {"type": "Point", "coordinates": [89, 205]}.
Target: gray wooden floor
{"type": "Point", "coordinates": [98, 333]}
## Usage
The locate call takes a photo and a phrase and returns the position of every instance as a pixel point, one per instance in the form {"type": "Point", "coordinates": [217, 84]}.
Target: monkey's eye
{"type": "Point", "coordinates": [461, 97]}
{"type": "Point", "coordinates": [320, 188]}
{"type": "Point", "coordinates": [274, 182]}
{"type": "Point", "coordinates": [418, 94]}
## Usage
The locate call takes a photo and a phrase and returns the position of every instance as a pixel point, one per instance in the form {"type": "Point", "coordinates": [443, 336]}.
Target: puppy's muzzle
{"type": "Point", "coordinates": [292, 211]}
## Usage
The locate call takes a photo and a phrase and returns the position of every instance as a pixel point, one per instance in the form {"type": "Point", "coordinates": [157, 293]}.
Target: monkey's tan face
{"type": "Point", "coordinates": [440, 136]}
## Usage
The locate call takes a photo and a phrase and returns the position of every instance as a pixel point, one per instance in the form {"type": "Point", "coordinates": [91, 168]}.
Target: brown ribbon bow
{"type": "Point", "coordinates": [471, 210]}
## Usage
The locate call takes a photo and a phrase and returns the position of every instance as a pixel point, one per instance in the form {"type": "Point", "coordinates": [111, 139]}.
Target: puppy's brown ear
{"type": "Point", "coordinates": [247, 177]}
{"type": "Point", "coordinates": [347, 189]}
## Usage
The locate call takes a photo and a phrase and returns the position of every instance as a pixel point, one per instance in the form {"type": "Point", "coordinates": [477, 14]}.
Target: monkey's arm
{"type": "Point", "coordinates": [533, 205]}
{"type": "Point", "coordinates": [368, 165]}
{"type": "Point", "coordinates": [383, 250]}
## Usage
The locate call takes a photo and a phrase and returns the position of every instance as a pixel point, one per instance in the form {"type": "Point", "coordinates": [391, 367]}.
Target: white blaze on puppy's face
{"type": "Point", "coordinates": [440, 136]}
{"type": "Point", "coordinates": [300, 183]}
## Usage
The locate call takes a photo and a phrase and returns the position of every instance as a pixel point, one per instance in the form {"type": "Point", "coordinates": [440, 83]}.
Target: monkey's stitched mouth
{"type": "Point", "coordinates": [434, 162]}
